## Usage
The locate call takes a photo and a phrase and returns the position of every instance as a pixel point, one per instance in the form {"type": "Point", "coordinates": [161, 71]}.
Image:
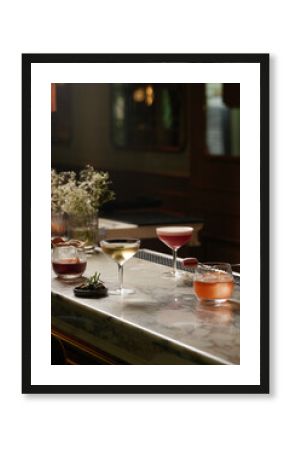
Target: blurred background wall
{"type": "Point", "coordinates": [201, 179]}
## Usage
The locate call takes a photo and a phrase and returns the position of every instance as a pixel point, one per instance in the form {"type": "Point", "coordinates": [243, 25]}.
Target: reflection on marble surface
{"type": "Point", "coordinates": [162, 323]}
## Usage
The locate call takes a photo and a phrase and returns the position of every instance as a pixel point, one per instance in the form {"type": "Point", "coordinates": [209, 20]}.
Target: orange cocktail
{"type": "Point", "coordinates": [213, 282]}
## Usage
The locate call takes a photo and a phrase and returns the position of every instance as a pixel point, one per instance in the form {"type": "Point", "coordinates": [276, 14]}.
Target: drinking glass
{"type": "Point", "coordinates": [174, 238]}
{"type": "Point", "coordinates": [68, 262]}
{"type": "Point", "coordinates": [120, 250]}
{"type": "Point", "coordinates": [213, 282]}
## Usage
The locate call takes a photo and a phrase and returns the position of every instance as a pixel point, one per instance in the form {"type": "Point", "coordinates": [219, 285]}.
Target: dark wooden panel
{"type": "Point", "coordinates": [219, 207]}
{"type": "Point", "coordinates": [211, 192]}
{"type": "Point", "coordinates": [78, 352]}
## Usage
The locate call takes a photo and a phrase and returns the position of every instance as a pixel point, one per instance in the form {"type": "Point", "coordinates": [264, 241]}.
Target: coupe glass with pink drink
{"type": "Point", "coordinates": [174, 238]}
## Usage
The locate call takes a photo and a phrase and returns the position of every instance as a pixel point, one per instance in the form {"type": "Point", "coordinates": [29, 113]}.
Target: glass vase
{"type": "Point", "coordinates": [58, 224]}
{"type": "Point", "coordinates": [84, 228]}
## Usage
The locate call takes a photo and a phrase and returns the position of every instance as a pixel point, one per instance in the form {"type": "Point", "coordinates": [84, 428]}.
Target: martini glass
{"type": "Point", "coordinates": [120, 250]}
{"type": "Point", "coordinates": [174, 238]}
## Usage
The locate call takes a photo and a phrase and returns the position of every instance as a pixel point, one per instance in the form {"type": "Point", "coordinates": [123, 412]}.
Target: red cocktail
{"type": "Point", "coordinates": [70, 266]}
{"type": "Point", "coordinates": [174, 238]}
{"type": "Point", "coordinates": [69, 262]}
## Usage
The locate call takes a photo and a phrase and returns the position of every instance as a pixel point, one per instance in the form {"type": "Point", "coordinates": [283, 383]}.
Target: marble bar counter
{"type": "Point", "coordinates": [161, 323]}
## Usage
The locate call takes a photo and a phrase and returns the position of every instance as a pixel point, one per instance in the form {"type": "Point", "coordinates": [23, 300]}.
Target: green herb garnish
{"type": "Point", "coordinates": [93, 282]}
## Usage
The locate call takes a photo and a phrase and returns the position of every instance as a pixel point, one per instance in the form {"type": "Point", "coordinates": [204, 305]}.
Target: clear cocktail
{"type": "Point", "coordinates": [120, 250]}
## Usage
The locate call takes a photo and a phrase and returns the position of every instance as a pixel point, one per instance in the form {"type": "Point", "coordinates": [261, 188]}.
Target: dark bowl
{"type": "Point", "coordinates": [99, 292]}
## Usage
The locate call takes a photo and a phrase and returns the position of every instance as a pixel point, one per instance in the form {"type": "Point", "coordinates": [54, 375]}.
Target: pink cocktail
{"type": "Point", "coordinates": [174, 238]}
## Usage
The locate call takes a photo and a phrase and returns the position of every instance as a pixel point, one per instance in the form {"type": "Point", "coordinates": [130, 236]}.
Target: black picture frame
{"type": "Point", "coordinates": [263, 61]}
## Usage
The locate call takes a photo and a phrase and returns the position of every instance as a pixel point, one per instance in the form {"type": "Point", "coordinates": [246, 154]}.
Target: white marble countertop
{"type": "Point", "coordinates": [162, 323]}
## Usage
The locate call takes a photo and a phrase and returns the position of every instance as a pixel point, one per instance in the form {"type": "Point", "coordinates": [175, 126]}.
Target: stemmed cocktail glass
{"type": "Point", "coordinates": [120, 250]}
{"type": "Point", "coordinates": [174, 238]}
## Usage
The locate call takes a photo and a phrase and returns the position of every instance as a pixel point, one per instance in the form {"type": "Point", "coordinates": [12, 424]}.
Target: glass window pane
{"type": "Point", "coordinates": [148, 116]}
{"type": "Point", "coordinates": [223, 119]}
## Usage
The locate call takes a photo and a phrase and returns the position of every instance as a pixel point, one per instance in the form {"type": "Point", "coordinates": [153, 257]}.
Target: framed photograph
{"type": "Point", "coordinates": [149, 174]}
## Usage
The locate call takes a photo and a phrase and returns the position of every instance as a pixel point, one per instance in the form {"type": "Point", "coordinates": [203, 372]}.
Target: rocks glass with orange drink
{"type": "Point", "coordinates": [213, 282]}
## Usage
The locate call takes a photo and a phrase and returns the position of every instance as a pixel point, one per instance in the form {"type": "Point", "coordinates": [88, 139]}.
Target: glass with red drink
{"type": "Point", "coordinates": [174, 238]}
{"type": "Point", "coordinates": [68, 262]}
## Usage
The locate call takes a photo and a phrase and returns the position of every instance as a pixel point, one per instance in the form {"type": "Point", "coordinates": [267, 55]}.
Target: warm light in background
{"type": "Point", "coordinates": [149, 99]}
{"type": "Point", "coordinates": [139, 95]}
{"type": "Point", "coordinates": [144, 95]}
{"type": "Point", "coordinates": [53, 97]}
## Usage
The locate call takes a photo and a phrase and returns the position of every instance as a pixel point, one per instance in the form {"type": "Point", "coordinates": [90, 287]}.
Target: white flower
{"type": "Point", "coordinates": [82, 196]}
